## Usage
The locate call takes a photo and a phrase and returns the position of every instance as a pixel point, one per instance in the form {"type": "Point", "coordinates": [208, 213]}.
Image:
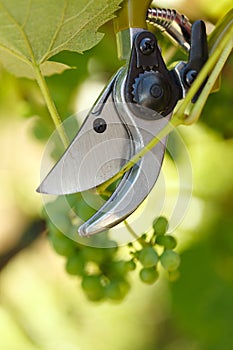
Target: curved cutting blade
{"type": "Point", "coordinates": [133, 189]}
{"type": "Point", "coordinates": [94, 157]}
{"type": "Point", "coordinates": [101, 147]}
{"type": "Point", "coordinates": [140, 179]}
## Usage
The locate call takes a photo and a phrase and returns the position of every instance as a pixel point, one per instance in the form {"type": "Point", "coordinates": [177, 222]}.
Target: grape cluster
{"type": "Point", "coordinates": [149, 257]}
{"type": "Point", "coordinates": [104, 275]}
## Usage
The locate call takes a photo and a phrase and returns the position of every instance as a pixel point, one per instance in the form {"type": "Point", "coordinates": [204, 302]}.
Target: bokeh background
{"type": "Point", "coordinates": [41, 307]}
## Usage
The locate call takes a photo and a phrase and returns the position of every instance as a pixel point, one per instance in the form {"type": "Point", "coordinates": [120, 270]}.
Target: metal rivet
{"type": "Point", "coordinates": [156, 91]}
{"type": "Point", "coordinates": [99, 125]}
{"type": "Point", "coordinates": [190, 77]}
{"type": "Point", "coordinates": [147, 46]}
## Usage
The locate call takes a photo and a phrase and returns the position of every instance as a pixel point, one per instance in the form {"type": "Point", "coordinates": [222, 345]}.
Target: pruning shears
{"type": "Point", "coordinates": [134, 107]}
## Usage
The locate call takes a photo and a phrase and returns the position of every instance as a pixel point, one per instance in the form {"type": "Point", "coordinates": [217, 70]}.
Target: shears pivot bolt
{"type": "Point", "coordinates": [147, 46]}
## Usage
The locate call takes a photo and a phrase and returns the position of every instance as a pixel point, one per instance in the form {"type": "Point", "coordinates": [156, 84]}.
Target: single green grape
{"type": "Point", "coordinates": [149, 275]}
{"type": "Point", "coordinates": [117, 289]}
{"type": "Point", "coordinates": [75, 264]}
{"type": "Point", "coordinates": [170, 260]}
{"type": "Point", "coordinates": [62, 244]}
{"type": "Point", "coordinates": [130, 265]}
{"type": "Point", "coordinates": [160, 225]}
{"type": "Point", "coordinates": [55, 207]}
{"type": "Point", "coordinates": [93, 287]}
{"type": "Point", "coordinates": [167, 241]}
{"type": "Point", "coordinates": [57, 210]}
{"type": "Point", "coordinates": [148, 257]}
{"type": "Point", "coordinates": [111, 250]}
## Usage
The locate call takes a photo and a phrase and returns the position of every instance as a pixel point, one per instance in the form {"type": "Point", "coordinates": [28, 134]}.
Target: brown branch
{"type": "Point", "coordinates": [35, 230]}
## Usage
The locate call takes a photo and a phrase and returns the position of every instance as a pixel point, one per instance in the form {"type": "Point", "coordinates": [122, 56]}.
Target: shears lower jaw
{"type": "Point", "coordinates": [136, 183]}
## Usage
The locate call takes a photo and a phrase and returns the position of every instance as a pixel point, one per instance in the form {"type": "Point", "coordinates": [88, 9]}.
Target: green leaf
{"type": "Point", "coordinates": [20, 68]}
{"type": "Point", "coordinates": [33, 31]}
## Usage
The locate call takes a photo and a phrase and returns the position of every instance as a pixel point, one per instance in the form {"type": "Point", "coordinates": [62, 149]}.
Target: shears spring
{"type": "Point", "coordinates": [176, 26]}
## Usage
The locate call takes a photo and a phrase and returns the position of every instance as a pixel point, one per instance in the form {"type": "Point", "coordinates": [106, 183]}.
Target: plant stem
{"type": "Point", "coordinates": [50, 105]}
{"type": "Point", "coordinates": [131, 231]}
{"type": "Point", "coordinates": [206, 70]}
{"type": "Point", "coordinates": [164, 132]}
{"type": "Point", "coordinates": [198, 107]}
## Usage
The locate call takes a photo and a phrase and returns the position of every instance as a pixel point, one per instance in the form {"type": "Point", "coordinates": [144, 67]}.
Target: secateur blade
{"type": "Point", "coordinates": [99, 150]}
{"type": "Point", "coordinates": [136, 183]}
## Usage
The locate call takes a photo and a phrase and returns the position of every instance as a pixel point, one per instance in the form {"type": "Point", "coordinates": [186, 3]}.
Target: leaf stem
{"type": "Point", "coordinates": [131, 231]}
{"type": "Point", "coordinates": [198, 107]}
{"type": "Point", "coordinates": [50, 105]}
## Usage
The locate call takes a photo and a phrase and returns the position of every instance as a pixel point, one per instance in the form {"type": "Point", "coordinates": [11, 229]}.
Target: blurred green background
{"type": "Point", "coordinates": [44, 308]}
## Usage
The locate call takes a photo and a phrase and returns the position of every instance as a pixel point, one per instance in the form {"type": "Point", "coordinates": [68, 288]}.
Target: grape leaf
{"type": "Point", "coordinates": [33, 31]}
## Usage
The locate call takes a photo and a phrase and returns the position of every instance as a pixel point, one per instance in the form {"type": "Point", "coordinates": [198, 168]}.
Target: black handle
{"type": "Point", "coordinates": [198, 55]}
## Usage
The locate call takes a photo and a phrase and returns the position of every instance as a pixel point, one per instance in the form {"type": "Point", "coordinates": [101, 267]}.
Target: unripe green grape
{"type": "Point", "coordinates": [170, 260]}
{"type": "Point", "coordinates": [55, 207]}
{"type": "Point", "coordinates": [94, 254]}
{"type": "Point", "coordinates": [75, 264]}
{"type": "Point", "coordinates": [130, 265]}
{"type": "Point", "coordinates": [149, 275]}
{"type": "Point", "coordinates": [160, 225]}
{"type": "Point", "coordinates": [93, 287]}
{"type": "Point", "coordinates": [63, 222]}
{"type": "Point", "coordinates": [111, 249]}
{"type": "Point", "coordinates": [57, 210]}
{"type": "Point", "coordinates": [62, 244]}
{"type": "Point", "coordinates": [148, 257]}
{"type": "Point", "coordinates": [117, 289]}
{"type": "Point", "coordinates": [116, 269]}
{"type": "Point", "coordinates": [167, 241]}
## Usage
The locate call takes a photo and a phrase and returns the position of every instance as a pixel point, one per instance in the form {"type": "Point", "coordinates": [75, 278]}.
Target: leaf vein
{"type": "Point", "coordinates": [27, 13]}
{"type": "Point", "coordinates": [22, 32]}
{"type": "Point", "coordinates": [80, 13]}
{"type": "Point", "coordinates": [15, 53]}
{"type": "Point", "coordinates": [57, 31]}
{"type": "Point", "coordinates": [56, 49]}
{"type": "Point", "coordinates": [59, 48]}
